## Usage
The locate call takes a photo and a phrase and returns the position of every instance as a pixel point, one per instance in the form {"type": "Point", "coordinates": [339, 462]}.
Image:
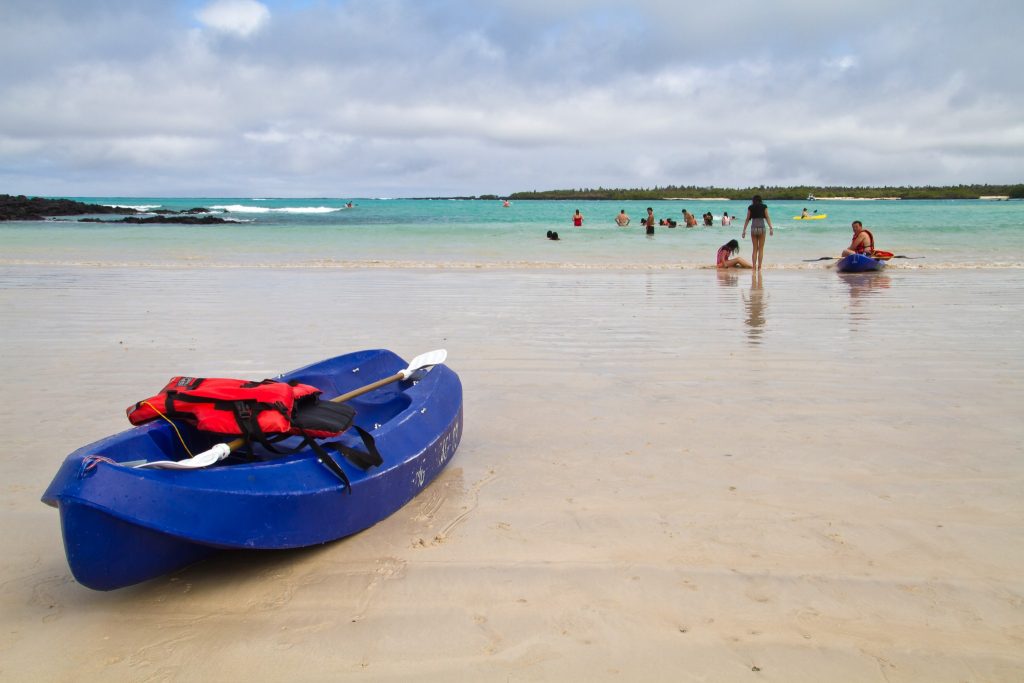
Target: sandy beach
{"type": "Point", "coordinates": [664, 476]}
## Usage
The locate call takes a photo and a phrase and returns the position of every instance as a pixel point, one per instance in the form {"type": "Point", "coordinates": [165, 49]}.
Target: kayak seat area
{"type": "Point", "coordinates": [376, 407]}
{"type": "Point", "coordinates": [379, 409]}
{"type": "Point", "coordinates": [156, 442]}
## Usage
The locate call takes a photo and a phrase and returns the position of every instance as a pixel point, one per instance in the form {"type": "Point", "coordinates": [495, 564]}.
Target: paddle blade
{"type": "Point", "coordinates": [204, 459]}
{"type": "Point", "coordinates": [425, 360]}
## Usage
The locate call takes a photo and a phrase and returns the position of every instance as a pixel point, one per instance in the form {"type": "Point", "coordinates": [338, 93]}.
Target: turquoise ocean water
{"type": "Point", "coordinates": [311, 233]}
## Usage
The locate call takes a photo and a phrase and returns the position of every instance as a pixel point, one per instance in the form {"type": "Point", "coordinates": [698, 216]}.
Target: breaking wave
{"type": "Point", "coordinates": [138, 207]}
{"type": "Point", "coordinates": [242, 208]}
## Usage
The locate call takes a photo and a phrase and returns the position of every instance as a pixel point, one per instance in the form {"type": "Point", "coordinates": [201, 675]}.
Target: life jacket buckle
{"type": "Point", "coordinates": [243, 410]}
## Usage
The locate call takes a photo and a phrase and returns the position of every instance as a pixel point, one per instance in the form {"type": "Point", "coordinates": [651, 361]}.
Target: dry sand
{"type": "Point", "coordinates": [664, 476]}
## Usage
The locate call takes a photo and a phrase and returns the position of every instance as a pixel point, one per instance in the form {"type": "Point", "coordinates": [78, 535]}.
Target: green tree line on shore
{"type": "Point", "coordinates": [800, 192]}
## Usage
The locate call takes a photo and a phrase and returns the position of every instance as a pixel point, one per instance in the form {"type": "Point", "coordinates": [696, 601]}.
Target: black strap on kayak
{"type": "Point", "coordinates": [327, 416]}
{"type": "Point", "coordinates": [272, 446]}
{"type": "Point", "coordinates": [311, 415]}
{"type": "Point", "coordinates": [325, 459]}
{"type": "Point", "coordinates": [364, 460]}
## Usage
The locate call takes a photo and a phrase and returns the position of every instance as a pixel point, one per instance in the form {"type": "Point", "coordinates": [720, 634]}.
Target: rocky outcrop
{"type": "Point", "coordinates": [182, 219]}
{"type": "Point", "coordinates": [165, 212]}
{"type": "Point", "coordinates": [21, 208]}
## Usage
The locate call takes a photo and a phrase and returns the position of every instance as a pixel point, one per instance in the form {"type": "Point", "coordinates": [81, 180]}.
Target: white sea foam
{"type": "Point", "coordinates": [137, 207]}
{"type": "Point", "coordinates": [307, 209]}
{"type": "Point", "coordinates": [242, 208]}
{"type": "Point", "coordinates": [203, 261]}
{"type": "Point", "coordinates": [239, 208]}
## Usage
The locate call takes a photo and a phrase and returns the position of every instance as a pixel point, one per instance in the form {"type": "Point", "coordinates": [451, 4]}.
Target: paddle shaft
{"type": "Point", "coordinates": [830, 258]}
{"type": "Point", "coordinates": [240, 441]}
{"type": "Point", "coordinates": [368, 388]}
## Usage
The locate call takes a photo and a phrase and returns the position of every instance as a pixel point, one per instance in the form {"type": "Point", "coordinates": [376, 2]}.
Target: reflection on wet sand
{"type": "Point", "coordinates": [865, 284]}
{"type": "Point", "coordinates": [863, 288]}
{"type": "Point", "coordinates": [754, 301]}
{"type": "Point", "coordinates": [728, 277]}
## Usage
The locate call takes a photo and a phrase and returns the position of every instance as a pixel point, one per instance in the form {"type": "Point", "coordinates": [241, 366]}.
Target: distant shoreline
{"type": "Point", "coordinates": [795, 193]}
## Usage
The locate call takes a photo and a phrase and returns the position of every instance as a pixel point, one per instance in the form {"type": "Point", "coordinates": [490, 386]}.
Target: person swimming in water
{"type": "Point", "coordinates": [577, 219]}
{"type": "Point", "coordinates": [622, 220]}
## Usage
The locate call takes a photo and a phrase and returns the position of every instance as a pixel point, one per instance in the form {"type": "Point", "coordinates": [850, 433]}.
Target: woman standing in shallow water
{"type": "Point", "coordinates": [757, 215]}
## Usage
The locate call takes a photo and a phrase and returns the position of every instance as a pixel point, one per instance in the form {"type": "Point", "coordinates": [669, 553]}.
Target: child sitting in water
{"type": "Point", "coordinates": [724, 257]}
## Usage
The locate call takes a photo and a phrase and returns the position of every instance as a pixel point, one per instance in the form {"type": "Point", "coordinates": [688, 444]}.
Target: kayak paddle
{"type": "Point", "coordinates": [223, 450]}
{"type": "Point", "coordinates": [880, 258]}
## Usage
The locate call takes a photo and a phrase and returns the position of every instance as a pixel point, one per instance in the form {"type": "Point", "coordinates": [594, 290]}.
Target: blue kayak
{"type": "Point", "coordinates": [858, 263]}
{"type": "Point", "coordinates": [124, 525]}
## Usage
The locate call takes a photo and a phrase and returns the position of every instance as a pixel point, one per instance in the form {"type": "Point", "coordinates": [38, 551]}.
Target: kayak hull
{"type": "Point", "coordinates": [105, 552]}
{"type": "Point", "coordinates": [858, 263]}
{"type": "Point", "coordinates": [123, 525]}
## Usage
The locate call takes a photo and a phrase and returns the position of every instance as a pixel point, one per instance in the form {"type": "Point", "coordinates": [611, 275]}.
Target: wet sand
{"type": "Point", "coordinates": [664, 476]}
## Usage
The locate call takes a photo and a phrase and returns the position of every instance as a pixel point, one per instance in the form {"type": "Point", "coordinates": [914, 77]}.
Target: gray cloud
{"type": "Point", "coordinates": [397, 97]}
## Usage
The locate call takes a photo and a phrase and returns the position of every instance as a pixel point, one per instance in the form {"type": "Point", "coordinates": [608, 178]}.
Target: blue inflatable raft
{"type": "Point", "coordinates": [858, 263]}
{"type": "Point", "coordinates": [123, 525]}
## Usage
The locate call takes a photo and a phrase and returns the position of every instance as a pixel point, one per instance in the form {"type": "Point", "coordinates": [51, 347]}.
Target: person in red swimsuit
{"type": "Point", "coordinates": [863, 241]}
{"type": "Point", "coordinates": [577, 218]}
{"type": "Point", "coordinates": [724, 257]}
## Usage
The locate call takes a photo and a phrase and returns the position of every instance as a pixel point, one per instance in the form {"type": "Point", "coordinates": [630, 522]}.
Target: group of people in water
{"type": "Point", "coordinates": [689, 220]}
{"type": "Point", "coordinates": [757, 219]}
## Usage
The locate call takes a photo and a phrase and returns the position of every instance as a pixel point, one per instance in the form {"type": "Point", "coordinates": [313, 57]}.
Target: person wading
{"type": "Point", "coordinates": [757, 216]}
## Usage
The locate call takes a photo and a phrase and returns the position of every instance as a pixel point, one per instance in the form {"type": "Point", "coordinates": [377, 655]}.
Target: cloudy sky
{"type": "Point", "coordinates": [463, 97]}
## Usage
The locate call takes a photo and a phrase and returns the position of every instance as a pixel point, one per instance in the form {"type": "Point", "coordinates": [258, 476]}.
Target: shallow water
{"type": "Point", "coordinates": [317, 233]}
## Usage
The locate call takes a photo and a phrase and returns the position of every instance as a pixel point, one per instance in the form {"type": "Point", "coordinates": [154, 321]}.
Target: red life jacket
{"type": "Point", "coordinates": [870, 246]}
{"type": "Point", "coordinates": [262, 412]}
{"type": "Point", "coordinates": [232, 407]}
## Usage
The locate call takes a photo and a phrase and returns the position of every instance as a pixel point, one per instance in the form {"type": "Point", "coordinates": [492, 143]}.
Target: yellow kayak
{"type": "Point", "coordinates": [812, 217]}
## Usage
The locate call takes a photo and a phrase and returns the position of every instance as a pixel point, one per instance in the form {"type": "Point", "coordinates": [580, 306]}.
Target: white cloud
{"type": "Point", "coordinates": [844, 63]}
{"type": "Point", "coordinates": [241, 17]}
{"type": "Point", "coordinates": [402, 97]}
